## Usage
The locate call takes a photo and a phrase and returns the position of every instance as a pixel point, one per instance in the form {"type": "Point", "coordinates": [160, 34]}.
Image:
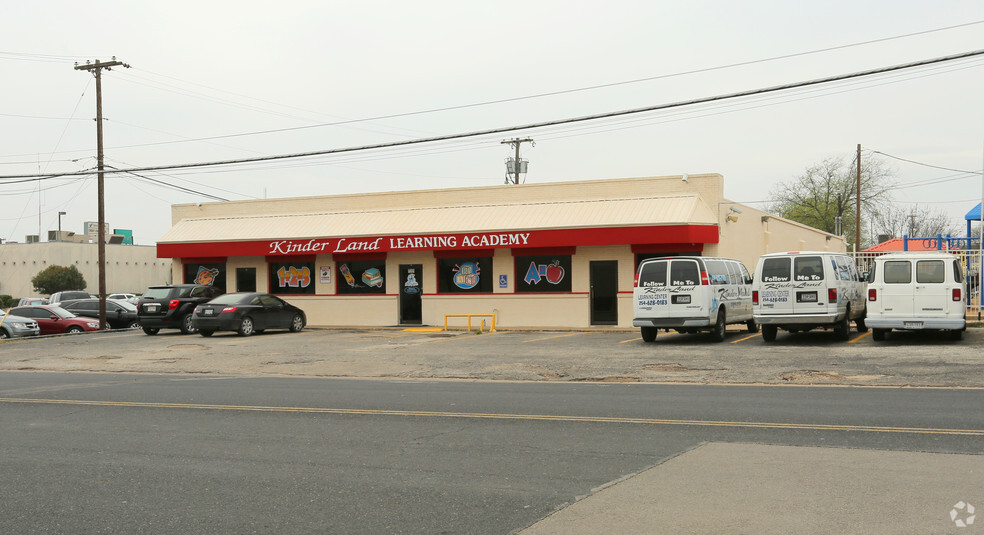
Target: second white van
{"type": "Point", "coordinates": [799, 291]}
{"type": "Point", "coordinates": [916, 291]}
{"type": "Point", "coordinates": [691, 294]}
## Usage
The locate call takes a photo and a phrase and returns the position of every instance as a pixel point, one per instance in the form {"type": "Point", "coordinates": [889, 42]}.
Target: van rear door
{"type": "Point", "coordinates": [808, 285]}
{"type": "Point", "coordinates": [931, 298]}
{"type": "Point", "coordinates": [896, 294]}
{"type": "Point", "coordinates": [776, 287]}
{"type": "Point", "coordinates": [685, 296]}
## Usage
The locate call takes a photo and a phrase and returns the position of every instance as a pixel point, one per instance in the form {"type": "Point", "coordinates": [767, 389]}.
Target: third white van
{"type": "Point", "coordinates": [916, 291]}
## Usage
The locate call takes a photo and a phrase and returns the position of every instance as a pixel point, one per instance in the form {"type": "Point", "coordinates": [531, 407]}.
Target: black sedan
{"type": "Point", "coordinates": [247, 313]}
{"type": "Point", "coordinates": [119, 314]}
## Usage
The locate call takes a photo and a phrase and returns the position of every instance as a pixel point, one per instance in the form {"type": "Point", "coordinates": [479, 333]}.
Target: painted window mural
{"type": "Point", "coordinates": [465, 275]}
{"type": "Point", "coordinates": [207, 274]}
{"type": "Point", "coordinates": [543, 273]}
{"type": "Point", "coordinates": [361, 277]}
{"type": "Point", "coordinates": [292, 277]}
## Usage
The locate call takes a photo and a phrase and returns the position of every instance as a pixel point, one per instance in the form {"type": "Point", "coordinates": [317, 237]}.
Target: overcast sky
{"type": "Point", "coordinates": [209, 81]}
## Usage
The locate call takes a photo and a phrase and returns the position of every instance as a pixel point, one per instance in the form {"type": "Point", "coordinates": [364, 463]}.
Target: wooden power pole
{"type": "Point", "coordinates": [96, 69]}
{"type": "Point", "coordinates": [857, 207]}
{"type": "Point", "coordinates": [516, 143]}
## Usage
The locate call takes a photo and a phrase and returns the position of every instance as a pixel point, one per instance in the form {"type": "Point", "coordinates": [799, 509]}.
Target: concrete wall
{"type": "Point", "coordinates": [129, 268]}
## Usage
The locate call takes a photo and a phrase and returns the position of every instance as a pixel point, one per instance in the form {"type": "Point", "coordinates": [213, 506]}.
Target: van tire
{"type": "Point", "coordinates": [752, 326]}
{"type": "Point", "coordinates": [956, 334]}
{"type": "Point", "coordinates": [720, 326]}
{"type": "Point", "coordinates": [769, 333]}
{"type": "Point", "coordinates": [649, 334]}
{"type": "Point", "coordinates": [878, 335]}
{"type": "Point", "coordinates": [842, 329]}
{"type": "Point", "coordinates": [859, 323]}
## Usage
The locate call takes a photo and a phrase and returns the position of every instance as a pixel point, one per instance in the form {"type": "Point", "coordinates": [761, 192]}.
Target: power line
{"type": "Point", "coordinates": [926, 164]}
{"type": "Point", "coordinates": [585, 118]}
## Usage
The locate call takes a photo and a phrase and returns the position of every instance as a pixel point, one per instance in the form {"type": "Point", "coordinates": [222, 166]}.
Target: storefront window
{"type": "Point", "coordinates": [292, 277]}
{"type": "Point", "coordinates": [464, 275]}
{"type": "Point", "coordinates": [208, 274]}
{"type": "Point", "coordinates": [543, 273]}
{"type": "Point", "coordinates": [362, 277]}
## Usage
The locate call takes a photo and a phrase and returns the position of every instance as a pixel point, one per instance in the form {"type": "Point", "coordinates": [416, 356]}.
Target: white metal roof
{"type": "Point", "coordinates": [636, 211]}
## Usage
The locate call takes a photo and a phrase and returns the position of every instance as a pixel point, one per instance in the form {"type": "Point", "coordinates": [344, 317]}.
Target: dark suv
{"type": "Point", "coordinates": [170, 306]}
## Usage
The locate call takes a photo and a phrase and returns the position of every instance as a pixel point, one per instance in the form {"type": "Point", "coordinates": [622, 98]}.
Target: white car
{"type": "Point", "coordinates": [132, 298]}
{"type": "Point", "coordinates": [799, 291]}
{"type": "Point", "coordinates": [916, 291]}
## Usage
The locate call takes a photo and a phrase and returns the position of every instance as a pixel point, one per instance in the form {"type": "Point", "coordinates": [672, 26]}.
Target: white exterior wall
{"type": "Point", "coordinates": [129, 268]}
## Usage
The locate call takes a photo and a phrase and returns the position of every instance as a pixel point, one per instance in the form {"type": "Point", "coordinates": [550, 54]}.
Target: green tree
{"type": "Point", "coordinates": [825, 194]}
{"type": "Point", "coordinates": [58, 279]}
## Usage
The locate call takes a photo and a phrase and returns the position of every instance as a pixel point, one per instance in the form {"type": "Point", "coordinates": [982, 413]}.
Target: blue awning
{"type": "Point", "coordinates": [974, 214]}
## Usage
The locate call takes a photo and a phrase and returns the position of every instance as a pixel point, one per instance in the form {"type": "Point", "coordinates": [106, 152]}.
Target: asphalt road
{"type": "Point", "coordinates": [196, 453]}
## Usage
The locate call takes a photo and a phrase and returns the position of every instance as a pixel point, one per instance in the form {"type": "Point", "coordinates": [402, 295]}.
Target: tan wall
{"type": "Point", "coordinates": [129, 268]}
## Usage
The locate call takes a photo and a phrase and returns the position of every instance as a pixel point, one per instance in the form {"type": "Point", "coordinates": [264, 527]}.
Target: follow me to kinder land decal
{"type": "Point", "coordinates": [552, 273]}
{"type": "Point", "coordinates": [466, 275]}
{"type": "Point", "coordinates": [206, 276]}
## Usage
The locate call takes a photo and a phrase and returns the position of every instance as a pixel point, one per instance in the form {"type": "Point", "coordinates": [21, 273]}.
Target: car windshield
{"type": "Point", "coordinates": [231, 299]}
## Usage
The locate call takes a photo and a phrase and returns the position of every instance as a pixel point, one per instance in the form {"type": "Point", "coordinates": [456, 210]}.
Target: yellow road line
{"type": "Point", "coordinates": [746, 338]}
{"type": "Point", "coordinates": [492, 416]}
{"type": "Point", "coordinates": [631, 340]}
{"type": "Point", "coordinates": [551, 337]}
{"type": "Point", "coordinates": [860, 337]}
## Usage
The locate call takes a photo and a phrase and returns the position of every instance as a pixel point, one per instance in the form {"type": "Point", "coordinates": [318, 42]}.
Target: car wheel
{"type": "Point", "coordinates": [151, 331]}
{"type": "Point", "coordinates": [187, 327]}
{"type": "Point", "coordinates": [717, 333]}
{"type": "Point", "coordinates": [649, 334]}
{"type": "Point", "coordinates": [752, 326]}
{"type": "Point", "coordinates": [3, 334]}
{"type": "Point", "coordinates": [205, 333]}
{"type": "Point", "coordinates": [246, 326]}
{"type": "Point", "coordinates": [74, 329]}
{"type": "Point", "coordinates": [133, 325]}
{"type": "Point", "coordinates": [878, 335]}
{"type": "Point", "coordinates": [769, 333]}
{"type": "Point", "coordinates": [296, 323]}
{"type": "Point", "coordinates": [842, 330]}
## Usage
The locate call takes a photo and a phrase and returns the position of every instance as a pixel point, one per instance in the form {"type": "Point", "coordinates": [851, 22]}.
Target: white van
{"type": "Point", "coordinates": [690, 294]}
{"type": "Point", "coordinates": [916, 291]}
{"type": "Point", "coordinates": [799, 291]}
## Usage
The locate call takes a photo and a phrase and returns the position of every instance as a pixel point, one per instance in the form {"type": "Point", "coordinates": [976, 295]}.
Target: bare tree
{"type": "Point", "coordinates": [914, 221]}
{"type": "Point", "coordinates": [825, 194]}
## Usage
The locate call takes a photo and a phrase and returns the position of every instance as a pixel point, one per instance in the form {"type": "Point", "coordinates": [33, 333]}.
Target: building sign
{"type": "Point", "coordinates": [543, 273]}
{"type": "Point", "coordinates": [464, 242]}
{"type": "Point", "coordinates": [325, 274]}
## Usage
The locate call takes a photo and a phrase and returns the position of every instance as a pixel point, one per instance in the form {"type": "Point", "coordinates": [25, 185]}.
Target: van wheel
{"type": "Point", "coordinates": [842, 330]}
{"type": "Point", "coordinates": [956, 334]}
{"type": "Point", "coordinates": [649, 334]}
{"type": "Point", "coordinates": [859, 323]}
{"type": "Point", "coordinates": [752, 326]}
{"type": "Point", "coordinates": [717, 333]}
{"type": "Point", "coordinates": [878, 335]}
{"type": "Point", "coordinates": [769, 333]}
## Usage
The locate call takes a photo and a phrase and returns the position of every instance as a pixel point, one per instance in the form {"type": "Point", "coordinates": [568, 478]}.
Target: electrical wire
{"type": "Point", "coordinates": [543, 124]}
{"type": "Point", "coordinates": [925, 164]}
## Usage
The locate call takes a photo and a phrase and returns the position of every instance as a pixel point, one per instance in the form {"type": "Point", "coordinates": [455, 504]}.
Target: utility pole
{"type": "Point", "coordinates": [96, 69]}
{"type": "Point", "coordinates": [857, 207]}
{"type": "Point", "coordinates": [516, 167]}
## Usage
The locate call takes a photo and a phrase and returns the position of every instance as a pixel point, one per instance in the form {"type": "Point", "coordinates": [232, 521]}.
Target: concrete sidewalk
{"type": "Point", "coordinates": [761, 489]}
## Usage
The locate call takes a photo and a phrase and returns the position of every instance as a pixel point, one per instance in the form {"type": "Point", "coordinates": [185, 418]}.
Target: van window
{"type": "Point", "coordinates": [898, 272]}
{"type": "Point", "coordinates": [930, 271]}
{"type": "Point", "coordinates": [809, 268]}
{"type": "Point", "coordinates": [717, 272]}
{"type": "Point", "coordinates": [844, 270]}
{"type": "Point", "coordinates": [684, 273]}
{"type": "Point", "coordinates": [957, 273]}
{"type": "Point", "coordinates": [775, 270]}
{"type": "Point", "coordinates": [745, 277]}
{"type": "Point", "coordinates": [733, 277]}
{"type": "Point", "coordinates": [653, 274]}
{"type": "Point", "coordinates": [871, 272]}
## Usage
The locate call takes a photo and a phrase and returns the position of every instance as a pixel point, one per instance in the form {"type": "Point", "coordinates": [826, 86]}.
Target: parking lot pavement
{"type": "Point", "coordinates": [913, 359]}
